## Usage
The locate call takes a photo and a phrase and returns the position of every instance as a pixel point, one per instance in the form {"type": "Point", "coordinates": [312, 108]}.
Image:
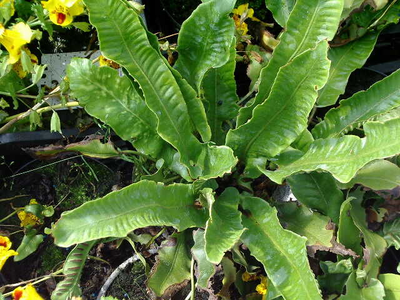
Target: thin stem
{"type": "Point", "coordinates": [140, 256]}
{"type": "Point", "coordinates": [44, 109]}
{"type": "Point", "coordinates": [10, 215]}
{"type": "Point", "coordinates": [39, 168]}
{"type": "Point", "coordinates": [32, 281]}
{"type": "Point", "coordinates": [12, 198]}
{"type": "Point", "coordinates": [91, 169]}
{"type": "Point", "coordinates": [138, 153]}
{"type": "Point", "coordinates": [155, 237]}
{"type": "Point", "coordinates": [168, 36]}
{"type": "Point", "coordinates": [15, 232]}
{"type": "Point", "coordinates": [13, 119]}
{"type": "Point", "coordinates": [18, 95]}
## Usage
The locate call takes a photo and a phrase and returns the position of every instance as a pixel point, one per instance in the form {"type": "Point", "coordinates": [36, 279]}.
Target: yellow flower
{"type": "Point", "coordinates": [26, 293]}
{"type": "Point", "coordinates": [62, 12]}
{"type": "Point", "coordinates": [262, 288]}
{"type": "Point", "coordinates": [4, 3]}
{"type": "Point", "coordinates": [244, 11]}
{"type": "Point", "coordinates": [17, 67]}
{"type": "Point", "coordinates": [28, 219]}
{"type": "Point", "coordinates": [240, 15]}
{"type": "Point", "coordinates": [107, 62]}
{"type": "Point", "coordinates": [5, 252]}
{"type": "Point", "coordinates": [249, 277]}
{"type": "Point", "coordinates": [13, 39]}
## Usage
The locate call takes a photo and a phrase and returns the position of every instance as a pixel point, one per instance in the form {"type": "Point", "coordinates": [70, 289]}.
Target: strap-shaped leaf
{"type": "Point", "coordinates": [310, 22]}
{"type": "Point", "coordinates": [220, 94]}
{"type": "Point", "coordinates": [224, 226]}
{"type": "Point", "coordinates": [141, 204]}
{"type": "Point", "coordinates": [282, 252]}
{"type": "Point", "coordinates": [204, 40]}
{"type": "Point", "coordinates": [278, 121]}
{"type": "Point", "coordinates": [381, 97]}
{"type": "Point", "coordinates": [205, 269]}
{"type": "Point", "coordinates": [280, 9]}
{"type": "Point", "coordinates": [318, 191]}
{"type": "Point", "coordinates": [195, 106]}
{"type": "Point", "coordinates": [72, 270]}
{"type": "Point", "coordinates": [345, 60]}
{"type": "Point", "coordinates": [173, 264]}
{"type": "Point", "coordinates": [124, 40]}
{"type": "Point", "coordinates": [113, 99]}
{"type": "Point", "coordinates": [343, 157]}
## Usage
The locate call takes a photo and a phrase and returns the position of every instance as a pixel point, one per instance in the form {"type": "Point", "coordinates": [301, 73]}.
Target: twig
{"type": "Point", "coordinates": [118, 270]}
{"type": "Point", "coordinates": [168, 36]}
{"type": "Point", "coordinates": [32, 281]}
{"type": "Point", "coordinates": [12, 198]}
{"type": "Point", "coordinates": [13, 119]}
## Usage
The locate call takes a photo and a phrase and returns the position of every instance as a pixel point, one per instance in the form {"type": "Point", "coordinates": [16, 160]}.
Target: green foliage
{"type": "Point", "coordinates": [220, 96]}
{"type": "Point", "coordinates": [298, 37]}
{"type": "Point", "coordinates": [360, 108]}
{"type": "Point", "coordinates": [29, 244]}
{"type": "Point", "coordinates": [307, 223]}
{"type": "Point", "coordinates": [188, 118]}
{"type": "Point", "coordinates": [224, 214]}
{"type": "Point", "coordinates": [335, 275]}
{"type": "Point", "coordinates": [141, 204]}
{"type": "Point", "coordinates": [205, 268]}
{"type": "Point", "coordinates": [378, 175]}
{"type": "Point", "coordinates": [162, 93]}
{"type": "Point", "coordinates": [391, 233]}
{"type": "Point", "coordinates": [375, 245]}
{"type": "Point", "coordinates": [280, 9]}
{"type": "Point", "coordinates": [278, 121]}
{"type": "Point", "coordinates": [281, 251]}
{"type": "Point", "coordinates": [374, 290]}
{"type": "Point", "coordinates": [172, 266]}
{"type": "Point", "coordinates": [344, 156]}
{"type": "Point", "coordinates": [345, 60]}
{"type": "Point", "coordinates": [214, 34]}
{"type": "Point", "coordinates": [390, 283]}
{"type": "Point", "coordinates": [72, 270]}
{"type": "Point", "coordinates": [318, 191]}
{"type": "Point", "coordinates": [348, 233]}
